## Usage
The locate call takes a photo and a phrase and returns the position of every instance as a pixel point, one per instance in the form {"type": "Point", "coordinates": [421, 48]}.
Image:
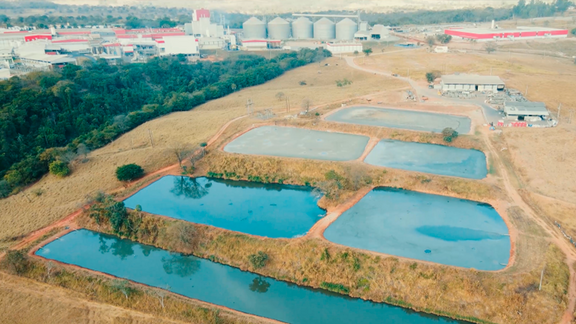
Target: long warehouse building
{"type": "Point", "coordinates": [471, 82]}
{"type": "Point", "coordinates": [480, 34]}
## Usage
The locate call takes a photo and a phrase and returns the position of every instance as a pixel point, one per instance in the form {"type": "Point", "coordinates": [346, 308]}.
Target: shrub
{"type": "Point", "coordinates": [258, 260]}
{"type": "Point", "coordinates": [339, 288]}
{"type": "Point", "coordinates": [449, 134]}
{"type": "Point", "coordinates": [16, 262]}
{"type": "Point", "coordinates": [59, 168]}
{"type": "Point", "coordinates": [129, 172]}
{"type": "Point", "coordinates": [433, 75]}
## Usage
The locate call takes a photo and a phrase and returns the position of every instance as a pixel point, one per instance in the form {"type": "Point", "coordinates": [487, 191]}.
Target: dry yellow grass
{"type": "Point", "coordinates": [542, 158]}
{"type": "Point", "coordinates": [26, 212]}
{"type": "Point", "coordinates": [28, 301]}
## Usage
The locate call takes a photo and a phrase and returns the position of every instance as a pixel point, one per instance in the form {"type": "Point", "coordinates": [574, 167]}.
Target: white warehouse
{"type": "Point", "coordinates": [471, 82]}
{"type": "Point", "coordinates": [344, 48]}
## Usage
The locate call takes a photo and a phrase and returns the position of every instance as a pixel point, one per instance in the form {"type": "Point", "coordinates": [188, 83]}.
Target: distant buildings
{"type": "Point", "coordinates": [481, 34]}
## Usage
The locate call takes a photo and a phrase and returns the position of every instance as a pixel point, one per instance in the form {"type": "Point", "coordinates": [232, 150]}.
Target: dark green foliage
{"type": "Point", "coordinates": [4, 189]}
{"type": "Point", "coordinates": [573, 31]}
{"type": "Point", "coordinates": [449, 134]}
{"type": "Point", "coordinates": [106, 209]}
{"type": "Point", "coordinates": [129, 172]}
{"type": "Point", "coordinates": [433, 75]}
{"type": "Point", "coordinates": [325, 256]}
{"type": "Point", "coordinates": [258, 260]}
{"type": "Point", "coordinates": [338, 288]}
{"type": "Point", "coordinates": [94, 104]}
{"type": "Point", "coordinates": [16, 261]}
{"type": "Point", "coordinates": [59, 168]}
{"type": "Point", "coordinates": [413, 266]}
{"type": "Point", "coordinates": [367, 51]}
{"type": "Point", "coordinates": [443, 38]}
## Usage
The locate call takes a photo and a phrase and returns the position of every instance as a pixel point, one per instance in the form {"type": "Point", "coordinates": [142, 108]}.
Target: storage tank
{"type": "Point", "coordinates": [302, 28]}
{"type": "Point", "coordinates": [278, 28]}
{"type": "Point", "coordinates": [254, 28]}
{"type": "Point", "coordinates": [324, 29]}
{"type": "Point", "coordinates": [345, 29]}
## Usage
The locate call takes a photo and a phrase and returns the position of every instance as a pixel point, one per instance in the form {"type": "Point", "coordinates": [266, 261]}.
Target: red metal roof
{"type": "Point", "coordinates": [70, 41]}
{"type": "Point", "coordinates": [30, 38]}
{"type": "Point", "coordinates": [201, 13]}
{"type": "Point", "coordinates": [112, 45]}
{"type": "Point", "coordinates": [74, 32]}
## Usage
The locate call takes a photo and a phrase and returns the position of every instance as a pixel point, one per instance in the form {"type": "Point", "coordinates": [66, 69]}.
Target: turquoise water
{"type": "Point", "coordinates": [299, 143]}
{"type": "Point", "coordinates": [426, 227]}
{"type": "Point", "coordinates": [221, 285]}
{"type": "Point", "coordinates": [271, 210]}
{"type": "Point", "coordinates": [398, 118]}
{"type": "Point", "coordinates": [429, 158]}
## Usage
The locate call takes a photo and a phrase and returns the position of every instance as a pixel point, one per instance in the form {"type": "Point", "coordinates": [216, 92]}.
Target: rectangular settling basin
{"type": "Point", "coordinates": [271, 210]}
{"type": "Point", "coordinates": [421, 226]}
{"type": "Point", "coordinates": [299, 143]}
{"type": "Point", "coordinates": [429, 158]}
{"type": "Point", "coordinates": [221, 285]}
{"type": "Point", "coordinates": [403, 119]}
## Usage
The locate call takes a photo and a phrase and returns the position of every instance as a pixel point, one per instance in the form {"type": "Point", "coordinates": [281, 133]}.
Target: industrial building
{"type": "Point", "coordinates": [201, 26]}
{"type": "Point", "coordinates": [529, 111]}
{"type": "Point", "coordinates": [480, 34]}
{"type": "Point", "coordinates": [471, 82]}
{"type": "Point", "coordinates": [344, 48]}
{"type": "Point", "coordinates": [279, 29]}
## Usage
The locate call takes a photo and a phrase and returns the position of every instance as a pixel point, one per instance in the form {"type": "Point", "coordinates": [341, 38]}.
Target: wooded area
{"type": "Point", "coordinates": [50, 116]}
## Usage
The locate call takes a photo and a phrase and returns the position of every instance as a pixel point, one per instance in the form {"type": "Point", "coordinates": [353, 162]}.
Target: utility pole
{"type": "Point", "coordinates": [559, 109]}
{"type": "Point", "coordinates": [150, 135]}
{"type": "Point", "coordinates": [526, 92]}
{"type": "Point", "coordinates": [541, 277]}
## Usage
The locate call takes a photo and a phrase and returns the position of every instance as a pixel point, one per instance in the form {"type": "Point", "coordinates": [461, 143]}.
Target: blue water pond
{"type": "Point", "coordinates": [426, 227]}
{"type": "Point", "coordinates": [271, 210]}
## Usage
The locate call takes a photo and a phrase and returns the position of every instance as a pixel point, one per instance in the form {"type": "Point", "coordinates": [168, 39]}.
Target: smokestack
{"type": "Point", "coordinates": [493, 24]}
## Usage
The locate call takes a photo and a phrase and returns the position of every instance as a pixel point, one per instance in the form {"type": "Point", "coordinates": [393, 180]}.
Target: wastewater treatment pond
{"type": "Point", "coordinates": [221, 285]}
{"type": "Point", "coordinates": [299, 143]}
{"type": "Point", "coordinates": [421, 226]}
{"type": "Point", "coordinates": [270, 210]}
{"type": "Point", "coordinates": [404, 119]}
{"type": "Point", "coordinates": [429, 158]}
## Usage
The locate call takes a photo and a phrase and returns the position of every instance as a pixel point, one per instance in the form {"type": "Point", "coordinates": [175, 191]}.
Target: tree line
{"type": "Point", "coordinates": [139, 17]}
{"type": "Point", "coordinates": [53, 116]}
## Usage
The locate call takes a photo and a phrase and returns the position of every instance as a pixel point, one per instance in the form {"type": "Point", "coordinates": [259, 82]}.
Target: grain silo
{"type": "Point", "coordinates": [345, 29]}
{"type": "Point", "coordinates": [278, 28]}
{"type": "Point", "coordinates": [324, 29]}
{"type": "Point", "coordinates": [254, 28]}
{"type": "Point", "coordinates": [302, 28]}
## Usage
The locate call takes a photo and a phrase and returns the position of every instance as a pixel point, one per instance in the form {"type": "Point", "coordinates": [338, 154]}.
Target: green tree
{"type": "Point", "coordinates": [433, 75]}
{"type": "Point", "coordinates": [431, 41]}
{"type": "Point", "coordinates": [573, 31]}
{"type": "Point", "coordinates": [443, 38]}
{"type": "Point", "coordinates": [59, 168]}
{"type": "Point", "coordinates": [258, 260]}
{"type": "Point", "coordinates": [449, 134]}
{"type": "Point", "coordinates": [367, 51]}
{"type": "Point", "coordinates": [129, 172]}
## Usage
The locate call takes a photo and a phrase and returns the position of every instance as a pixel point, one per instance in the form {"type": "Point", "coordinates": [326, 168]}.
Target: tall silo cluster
{"type": "Point", "coordinates": [324, 29]}
{"type": "Point", "coordinates": [254, 28]}
{"type": "Point", "coordinates": [278, 28]}
{"type": "Point", "coordinates": [302, 28]}
{"type": "Point", "coordinates": [345, 29]}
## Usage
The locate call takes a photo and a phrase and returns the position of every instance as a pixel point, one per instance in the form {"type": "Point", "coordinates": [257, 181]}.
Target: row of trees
{"type": "Point", "coordinates": [81, 108]}
{"type": "Point", "coordinates": [131, 22]}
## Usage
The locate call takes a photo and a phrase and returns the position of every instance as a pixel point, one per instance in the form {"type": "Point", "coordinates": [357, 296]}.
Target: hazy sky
{"type": "Point", "coordinates": [278, 6]}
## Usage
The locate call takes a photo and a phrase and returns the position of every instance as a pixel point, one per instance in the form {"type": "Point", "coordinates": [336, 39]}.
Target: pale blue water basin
{"type": "Point", "coordinates": [222, 285]}
{"type": "Point", "coordinates": [404, 119]}
{"type": "Point", "coordinates": [271, 210]}
{"type": "Point", "coordinates": [299, 143]}
{"type": "Point", "coordinates": [429, 158]}
{"type": "Point", "coordinates": [421, 226]}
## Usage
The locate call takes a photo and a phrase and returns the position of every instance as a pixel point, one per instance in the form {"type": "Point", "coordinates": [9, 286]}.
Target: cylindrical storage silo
{"type": "Point", "coordinates": [278, 28]}
{"type": "Point", "coordinates": [345, 29]}
{"type": "Point", "coordinates": [302, 28]}
{"type": "Point", "coordinates": [324, 29]}
{"type": "Point", "coordinates": [254, 28]}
